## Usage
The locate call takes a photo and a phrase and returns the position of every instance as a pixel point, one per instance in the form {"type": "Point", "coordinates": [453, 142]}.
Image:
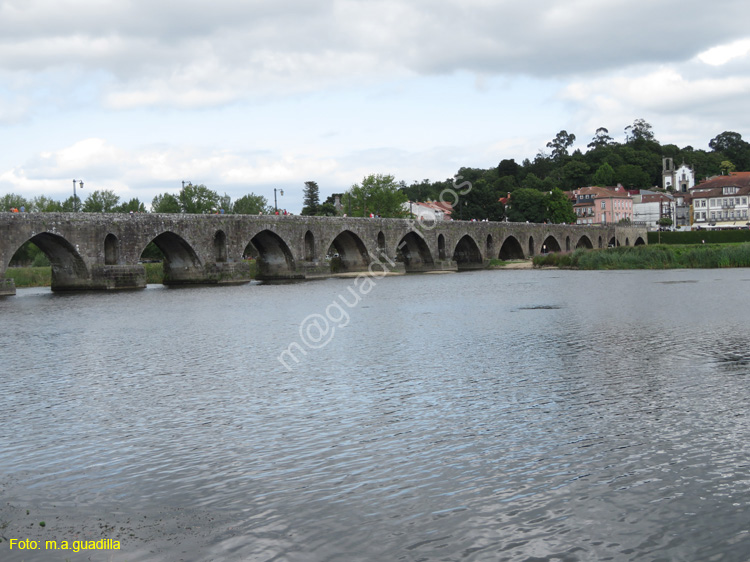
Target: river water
{"type": "Point", "coordinates": [502, 415]}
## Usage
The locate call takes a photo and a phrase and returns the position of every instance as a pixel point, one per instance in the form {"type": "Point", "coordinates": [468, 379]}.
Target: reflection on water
{"type": "Point", "coordinates": [509, 415]}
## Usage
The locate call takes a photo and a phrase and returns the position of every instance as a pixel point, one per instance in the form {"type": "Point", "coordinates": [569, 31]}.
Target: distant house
{"type": "Point", "coordinates": [603, 205]}
{"type": "Point", "coordinates": [722, 202]}
{"type": "Point", "coordinates": [649, 207]}
{"type": "Point", "coordinates": [429, 210]}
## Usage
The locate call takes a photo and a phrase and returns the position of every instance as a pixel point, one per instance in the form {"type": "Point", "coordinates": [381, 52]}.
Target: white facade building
{"type": "Point", "coordinates": [680, 179]}
{"type": "Point", "coordinates": [649, 207]}
{"type": "Point", "coordinates": [722, 202]}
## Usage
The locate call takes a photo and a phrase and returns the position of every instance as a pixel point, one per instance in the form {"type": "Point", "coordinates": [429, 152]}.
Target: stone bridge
{"type": "Point", "coordinates": [90, 251]}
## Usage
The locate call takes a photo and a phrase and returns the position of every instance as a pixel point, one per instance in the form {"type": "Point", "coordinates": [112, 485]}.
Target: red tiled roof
{"type": "Point", "coordinates": [739, 179]}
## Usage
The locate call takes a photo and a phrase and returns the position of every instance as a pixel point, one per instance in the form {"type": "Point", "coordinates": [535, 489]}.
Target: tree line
{"type": "Point", "coordinates": [536, 186]}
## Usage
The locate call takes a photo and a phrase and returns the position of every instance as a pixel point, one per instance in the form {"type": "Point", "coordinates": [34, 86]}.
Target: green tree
{"type": "Point", "coordinates": [43, 204]}
{"type": "Point", "coordinates": [560, 144]}
{"type": "Point", "coordinates": [328, 207]}
{"type": "Point", "coordinates": [133, 205]}
{"type": "Point", "coordinates": [165, 203]}
{"type": "Point", "coordinates": [101, 201]}
{"type": "Point", "coordinates": [198, 199]}
{"type": "Point", "coordinates": [559, 209]}
{"type": "Point", "coordinates": [639, 132]}
{"type": "Point", "coordinates": [377, 194]}
{"type": "Point", "coordinates": [508, 168]}
{"type": "Point", "coordinates": [250, 204]}
{"type": "Point", "coordinates": [731, 145]}
{"type": "Point", "coordinates": [575, 173]}
{"type": "Point", "coordinates": [527, 205]}
{"type": "Point", "coordinates": [601, 139]}
{"type": "Point", "coordinates": [13, 201]}
{"type": "Point", "coordinates": [481, 202]}
{"type": "Point", "coordinates": [310, 198]}
{"type": "Point", "coordinates": [70, 205]}
{"type": "Point", "coordinates": [727, 167]}
{"type": "Point", "coordinates": [604, 176]}
{"type": "Point", "coordinates": [632, 177]}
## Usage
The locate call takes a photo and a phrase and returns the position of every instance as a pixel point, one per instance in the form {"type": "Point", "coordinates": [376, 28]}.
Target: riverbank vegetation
{"type": "Point", "coordinates": [701, 256]}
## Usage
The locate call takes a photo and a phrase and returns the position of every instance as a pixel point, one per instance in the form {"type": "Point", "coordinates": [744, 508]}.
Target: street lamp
{"type": "Point", "coordinates": [281, 192]}
{"type": "Point", "coordinates": [75, 198]}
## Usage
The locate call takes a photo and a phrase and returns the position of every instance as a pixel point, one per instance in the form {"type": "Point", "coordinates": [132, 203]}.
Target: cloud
{"type": "Point", "coordinates": [196, 54]}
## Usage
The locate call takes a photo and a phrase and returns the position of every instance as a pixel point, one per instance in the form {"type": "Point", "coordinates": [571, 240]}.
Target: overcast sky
{"type": "Point", "coordinates": [244, 96]}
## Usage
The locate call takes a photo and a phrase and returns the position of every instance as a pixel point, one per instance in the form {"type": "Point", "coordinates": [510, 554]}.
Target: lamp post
{"type": "Point", "coordinates": [75, 198]}
{"type": "Point", "coordinates": [275, 206]}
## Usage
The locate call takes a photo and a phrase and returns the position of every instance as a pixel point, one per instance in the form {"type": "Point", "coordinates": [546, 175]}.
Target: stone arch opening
{"type": "Point", "coordinates": [68, 268]}
{"type": "Point", "coordinates": [639, 242]}
{"type": "Point", "coordinates": [414, 253]}
{"type": "Point", "coordinates": [467, 254]}
{"type": "Point", "coordinates": [180, 260]}
{"type": "Point", "coordinates": [612, 242]}
{"type": "Point", "coordinates": [272, 255]}
{"type": "Point", "coordinates": [220, 246]}
{"type": "Point", "coordinates": [601, 243]}
{"type": "Point", "coordinates": [584, 242]}
{"type": "Point", "coordinates": [111, 250]}
{"type": "Point", "coordinates": [531, 245]}
{"type": "Point", "coordinates": [550, 244]}
{"type": "Point", "coordinates": [348, 253]}
{"type": "Point", "coordinates": [309, 246]}
{"type": "Point", "coordinates": [488, 246]}
{"type": "Point", "coordinates": [382, 251]}
{"type": "Point", "coordinates": [567, 243]}
{"type": "Point", "coordinates": [627, 241]}
{"type": "Point", "coordinates": [441, 247]}
{"type": "Point", "coordinates": [511, 249]}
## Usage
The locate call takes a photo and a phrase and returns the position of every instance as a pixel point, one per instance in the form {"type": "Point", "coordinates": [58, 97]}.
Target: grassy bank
{"type": "Point", "coordinates": [30, 276]}
{"type": "Point", "coordinates": [703, 256]}
{"type": "Point", "coordinates": [42, 276]}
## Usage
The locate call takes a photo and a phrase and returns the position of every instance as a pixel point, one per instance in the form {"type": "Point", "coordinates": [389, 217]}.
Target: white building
{"type": "Point", "coordinates": [429, 210]}
{"type": "Point", "coordinates": [722, 202]}
{"type": "Point", "coordinates": [680, 179]}
{"type": "Point", "coordinates": [649, 207]}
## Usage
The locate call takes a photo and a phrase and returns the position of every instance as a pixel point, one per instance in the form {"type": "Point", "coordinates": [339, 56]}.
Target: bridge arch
{"type": "Point", "coordinates": [567, 243]}
{"type": "Point", "coordinates": [68, 267]}
{"type": "Point", "coordinates": [220, 246]}
{"type": "Point", "coordinates": [309, 246]}
{"type": "Point", "coordinates": [381, 244]}
{"type": "Point", "coordinates": [441, 247]}
{"type": "Point", "coordinates": [352, 252]}
{"type": "Point", "coordinates": [511, 249]}
{"type": "Point", "coordinates": [274, 257]}
{"type": "Point", "coordinates": [551, 244]}
{"type": "Point", "coordinates": [180, 259]}
{"type": "Point", "coordinates": [111, 250]}
{"type": "Point", "coordinates": [413, 251]}
{"type": "Point", "coordinates": [639, 242]}
{"type": "Point", "coordinates": [531, 245]}
{"type": "Point", "coordinates": [467, 254]}
{"type": "Point", "coordinates": [584, 242]}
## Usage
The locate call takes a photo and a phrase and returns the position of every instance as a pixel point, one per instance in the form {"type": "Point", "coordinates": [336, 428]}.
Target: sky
{"type": "Point", "coordinates": [137, 96]}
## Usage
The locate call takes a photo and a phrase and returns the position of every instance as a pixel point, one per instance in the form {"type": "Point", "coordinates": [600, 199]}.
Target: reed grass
{"type": "Point", "coordinates": [30, 276]}
{"type": "Point", "coordinates": [701, 256]}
